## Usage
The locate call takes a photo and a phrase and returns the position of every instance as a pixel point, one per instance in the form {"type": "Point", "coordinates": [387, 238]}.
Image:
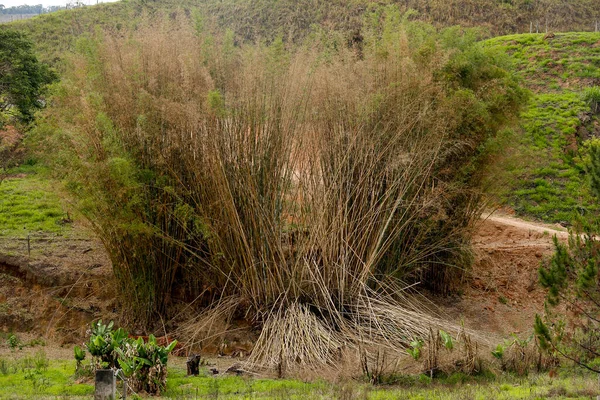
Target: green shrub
{"type": "Point", "coordinates": [103, 343]}
{"type": "Point", "coordinates": [144, 364]}
{"type": "Point", "coordinates": [14, 342]}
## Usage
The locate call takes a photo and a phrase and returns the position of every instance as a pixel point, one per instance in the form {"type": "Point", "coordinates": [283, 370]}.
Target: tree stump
{"type": "Point", "coordinates": [193, 365]}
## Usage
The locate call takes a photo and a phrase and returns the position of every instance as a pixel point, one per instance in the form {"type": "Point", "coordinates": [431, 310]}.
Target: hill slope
{"type": "Point", "coordinates": [296, 19]}
{"type": "Point", "coordinates": [545, 171]}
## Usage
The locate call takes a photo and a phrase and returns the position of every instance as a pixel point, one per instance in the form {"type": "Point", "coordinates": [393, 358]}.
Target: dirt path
{"type": "Point", "coordinates": [514, 230]}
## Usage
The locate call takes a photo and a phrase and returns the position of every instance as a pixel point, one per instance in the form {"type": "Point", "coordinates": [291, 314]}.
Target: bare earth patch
{"type": "Point", "coordinates": [502, 294]}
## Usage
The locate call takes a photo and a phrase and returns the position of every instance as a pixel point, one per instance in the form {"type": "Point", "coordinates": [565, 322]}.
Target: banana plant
{"type": "Point", "coordinates": [498, 353]}
{"type": "Point", "coordinates": [103, 342]}
{"type": "Point", "coordinates": [145, 363]}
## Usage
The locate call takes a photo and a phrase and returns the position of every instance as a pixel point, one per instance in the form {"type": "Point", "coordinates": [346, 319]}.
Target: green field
{"type": "Point", "coordinates": [29, 204]}
{"type": "Point", "coordinates": [35, 376]}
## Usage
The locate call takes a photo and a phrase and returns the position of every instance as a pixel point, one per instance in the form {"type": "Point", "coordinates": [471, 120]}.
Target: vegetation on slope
{"type": "Point", "coordinates": [571, 278]}
{"type": "Point", "coordinates": [294, 20]}
{"type": "Point", "coordinates": [298, 186]}
{"type": "Point", "coordinates": [29, 205]}
{"type": "Point", "coordinates": [546, 176]}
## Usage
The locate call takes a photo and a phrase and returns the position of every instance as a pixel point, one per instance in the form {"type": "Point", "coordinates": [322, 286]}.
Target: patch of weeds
{"type": "Point", "coordinates": [557, 391]}
{"type": "Point", "coordinates": [591, 96]}
{"type": "Point", "coordinates": [408, 380]}
{"type": "Point", "coordinates": [502, 300]}
{"type": "Point", "coordinates": [40, 360]}
{"type": "Point", "coordinates": [39, 382]}
{"type": "Point", "coordinates": [14, 342]}
{"type": "Point", "coordinates": [4, 367]}
{"type": "Point", "coordinates": [36, 342]}
{"type": "Point", "coordinates": [38, 377]}
{"type": "Point", "coordinates": [213, 389]}
{"type": "Point", "coordinates": [457, 378]}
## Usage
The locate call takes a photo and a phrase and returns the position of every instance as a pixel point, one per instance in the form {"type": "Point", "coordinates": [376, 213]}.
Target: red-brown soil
{"type": "Point", "coordinates": [57, 290]}
{"type": "Point", "coordinates": [502, 294]}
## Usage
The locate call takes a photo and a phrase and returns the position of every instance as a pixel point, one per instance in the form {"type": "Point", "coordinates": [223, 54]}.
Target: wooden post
{"type": "Point", "coordinates": [120, 375]}
{"type": "Point", "coordinates": [531, 27]}
{"type": "Point", "coordinates": [106, 388]}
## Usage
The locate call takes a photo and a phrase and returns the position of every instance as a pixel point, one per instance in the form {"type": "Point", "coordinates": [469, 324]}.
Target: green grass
{"type": "Point", "coordinates": [568, 59]}
{"type": "Point", "coordinates": [35, 377]}
{"type": "Point", "coordinates": [546, 168]}
{"type": "Point", "coordinates": [29, 204]}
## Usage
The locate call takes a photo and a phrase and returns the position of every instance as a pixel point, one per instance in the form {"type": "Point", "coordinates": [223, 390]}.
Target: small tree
{"type": "Point", "coordinates": [571, 277]}
{"type": "Point", "coordinates": [22, 77]}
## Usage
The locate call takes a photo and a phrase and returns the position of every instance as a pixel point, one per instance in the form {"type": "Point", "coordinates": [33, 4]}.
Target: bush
{"type": "Point", "coordinates": [103, 344]}
{"type": "Point", "coordinates": [144, 364]}
{"type": "Point", "coordinates": [301, 187]}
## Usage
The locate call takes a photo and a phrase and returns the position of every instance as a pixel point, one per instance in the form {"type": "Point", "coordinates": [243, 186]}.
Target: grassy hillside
{"type": "Point", "coordinates": [546, 167]}
{"type": "Point", "coordinates": [28, 204]}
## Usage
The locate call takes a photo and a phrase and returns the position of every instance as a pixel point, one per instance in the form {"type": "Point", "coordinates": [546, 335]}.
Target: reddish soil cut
{"type": "Point", "coordinates": [502, 294]}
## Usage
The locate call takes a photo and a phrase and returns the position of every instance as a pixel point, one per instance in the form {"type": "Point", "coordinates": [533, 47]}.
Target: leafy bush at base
{"type": "Point", "coordinates": [144, 364]}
